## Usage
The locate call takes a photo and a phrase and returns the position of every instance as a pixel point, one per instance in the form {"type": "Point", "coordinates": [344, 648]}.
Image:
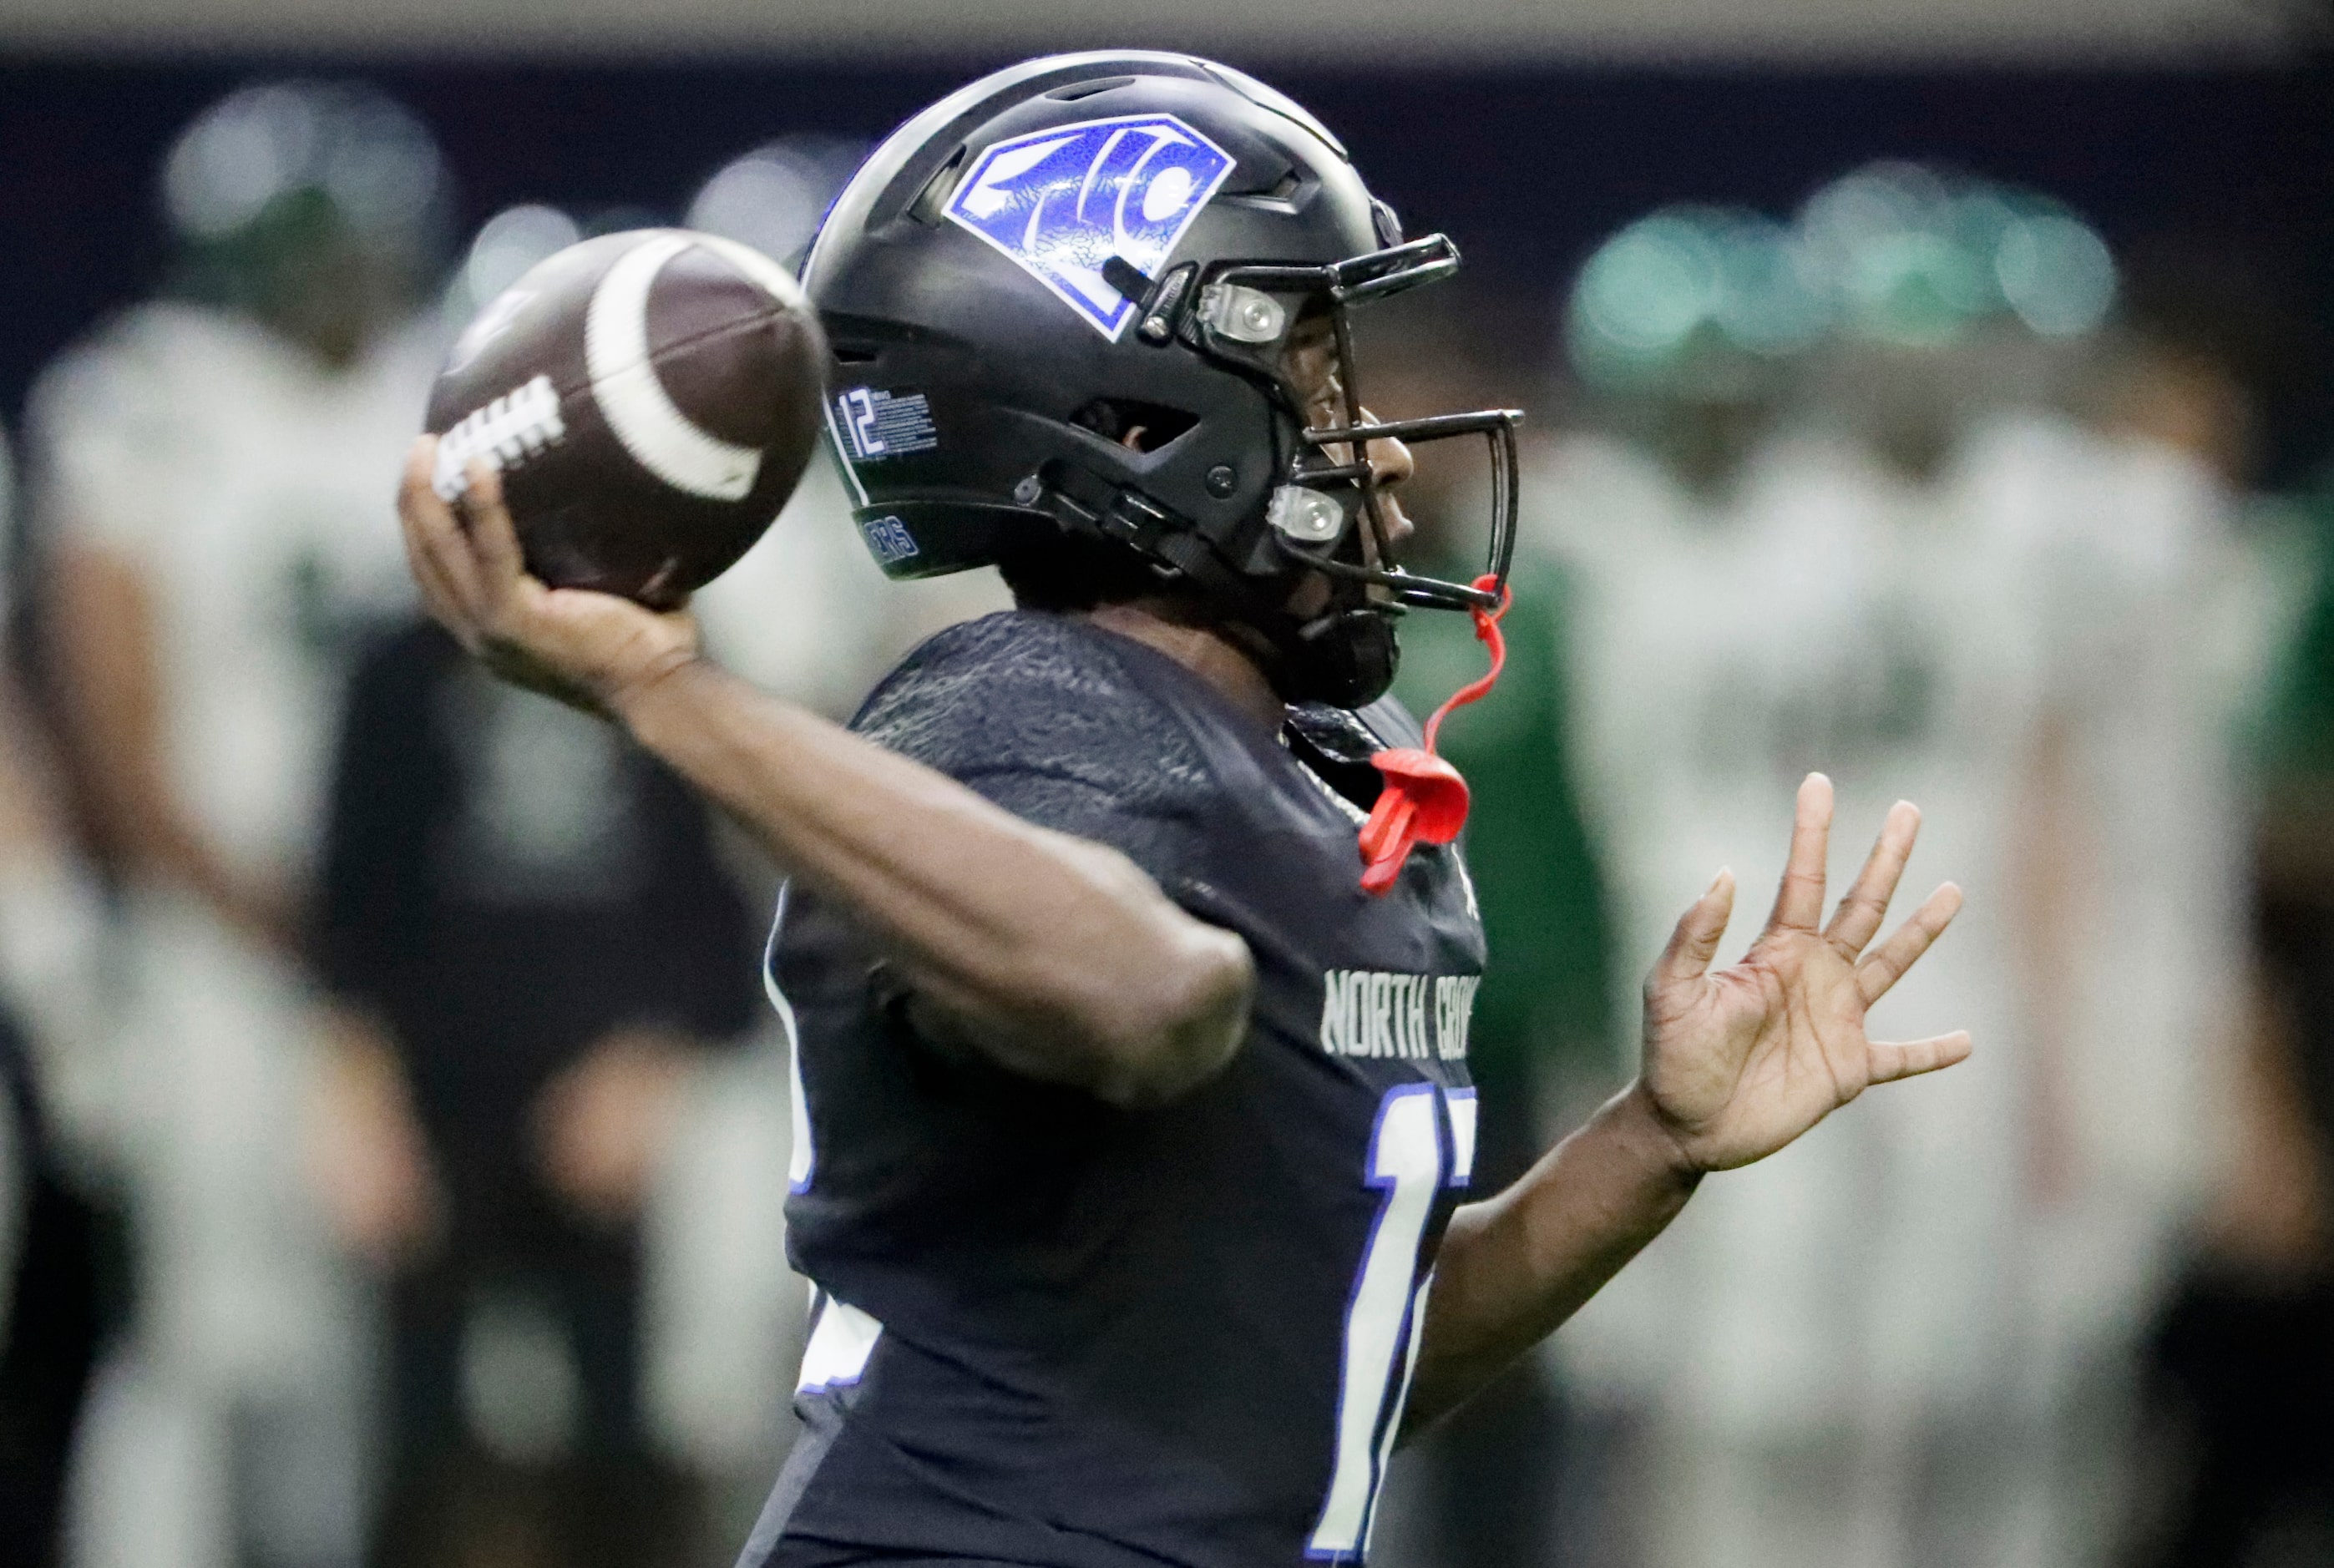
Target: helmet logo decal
{"type": "Point", "coordinates": [1060, 203]}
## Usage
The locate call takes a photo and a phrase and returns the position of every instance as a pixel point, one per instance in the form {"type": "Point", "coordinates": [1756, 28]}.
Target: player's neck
{"type": "Point", "coordinates": [1203, 651]}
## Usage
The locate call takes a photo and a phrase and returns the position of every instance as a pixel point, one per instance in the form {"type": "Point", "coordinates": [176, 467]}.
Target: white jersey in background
{"type": "Point", "coordinates": [256, 489]}
{"type": "Point", "coordinates": [252, 490]}
{"type": "Point", "coordinates": [1827, 1347]}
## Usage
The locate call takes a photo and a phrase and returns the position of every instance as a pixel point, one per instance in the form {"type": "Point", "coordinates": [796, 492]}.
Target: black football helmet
{"type": "Point", "coordinates": [1060, 301]}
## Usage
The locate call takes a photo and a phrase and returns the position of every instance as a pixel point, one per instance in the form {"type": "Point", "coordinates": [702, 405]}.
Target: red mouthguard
{"type": "Point", "coordinates": [1424, 797]}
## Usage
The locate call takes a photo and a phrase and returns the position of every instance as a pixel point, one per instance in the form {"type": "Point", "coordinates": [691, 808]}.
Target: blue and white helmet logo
{"type": "Point", "coordinates": [1062, 202]}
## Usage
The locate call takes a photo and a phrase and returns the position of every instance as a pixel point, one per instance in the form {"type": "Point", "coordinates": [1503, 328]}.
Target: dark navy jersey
{"type": "Point", "coordinates": [1052, 1332]}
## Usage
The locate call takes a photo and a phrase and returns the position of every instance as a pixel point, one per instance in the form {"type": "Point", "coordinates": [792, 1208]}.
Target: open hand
{"type": "Point", "coordinates": [1739, 1062]}
{"type": "Point", "coordinates": [581, 646]}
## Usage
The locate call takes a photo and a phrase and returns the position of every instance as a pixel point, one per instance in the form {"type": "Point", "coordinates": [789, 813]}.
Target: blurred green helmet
{"type": "Point", "coordinates": [316, 204]}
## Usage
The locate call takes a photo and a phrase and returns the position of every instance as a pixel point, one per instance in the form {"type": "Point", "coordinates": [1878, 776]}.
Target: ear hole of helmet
{"type": "Point", "coordinates": [1139, 426]}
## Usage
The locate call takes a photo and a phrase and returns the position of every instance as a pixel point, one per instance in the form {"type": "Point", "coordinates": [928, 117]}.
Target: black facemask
{"type": "Point", "coordinates": [1331, 495]}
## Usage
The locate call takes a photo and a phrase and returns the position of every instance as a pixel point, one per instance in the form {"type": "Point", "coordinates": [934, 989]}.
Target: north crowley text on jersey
{"type": "Point", "coordinates": [1375, 1012]}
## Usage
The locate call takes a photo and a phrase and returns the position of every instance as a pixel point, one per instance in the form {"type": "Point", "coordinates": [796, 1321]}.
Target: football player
{"type": "Point", "coordinates": [1134, 1131]}
{"type": "Point", "coordinates": [212, 466]}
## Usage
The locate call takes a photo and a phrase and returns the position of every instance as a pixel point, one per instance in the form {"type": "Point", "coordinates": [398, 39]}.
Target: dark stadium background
{"type": "Point", "coordinates": [1531, 167]}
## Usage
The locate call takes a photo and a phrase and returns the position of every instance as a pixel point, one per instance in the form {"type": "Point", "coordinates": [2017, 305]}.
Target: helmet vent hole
{"type": "Point", "coordinates": [1279, 196]}
{"type": "Point", "coordinates": [1077, 90]}
{"type": "Point", "coordinates": [927, 206]}
{"type": "Point", "coordinates": [1138, 426]}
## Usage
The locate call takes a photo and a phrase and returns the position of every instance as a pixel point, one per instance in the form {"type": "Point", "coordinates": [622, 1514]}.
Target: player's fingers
{"type": "Point", "coordinates": [1890, 1060]}
{"type": "Point", "coordinates": [437, 596]}
{"type": "Point", "coordinates": [1799, 901]}
{"type": "Point", "coordinates": [1886, 965]}
{"type": "Point", "coordinates": [491, 528]}
{"type": "Point", "coordinates": [1695, 941]}
{"type": "Point", "coordinates": [434, 542]}
{"type": "Point", "coordinates": [1857, 918]}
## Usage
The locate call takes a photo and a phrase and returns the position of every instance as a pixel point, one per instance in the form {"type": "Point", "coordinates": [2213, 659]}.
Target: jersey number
{"type": "Point", "coordinates": [1388, 1308]}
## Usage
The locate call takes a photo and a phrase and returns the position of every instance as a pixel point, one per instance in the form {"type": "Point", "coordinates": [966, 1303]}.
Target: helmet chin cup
{"type": "Point", "coordinates": [1346, 657]}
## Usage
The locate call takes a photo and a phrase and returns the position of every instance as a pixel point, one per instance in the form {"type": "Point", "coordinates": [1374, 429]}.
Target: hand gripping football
{"type": "Point", "coordinates": [649, 400]}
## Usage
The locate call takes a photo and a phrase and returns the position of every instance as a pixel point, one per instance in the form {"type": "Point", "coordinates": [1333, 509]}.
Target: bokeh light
{"type": "Point", "coordinates": [2056, 273]}
{"type": "Point", "coordinates": [511, 241]}
{"type": "Point", "coordinates": [1687, 273]}
{"type": "Point", "coordinates": [377, 163]}
{"type": "Point", "coordinates": [506, 245]}
{"type": "Point", "coordinates": [775, 197]}
{"type": "Point", "coordinates": [1893, 251]}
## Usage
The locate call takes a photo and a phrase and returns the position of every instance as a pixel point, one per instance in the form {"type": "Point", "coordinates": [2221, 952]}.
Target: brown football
{"type": "Point", "coordinates": [649, 400]}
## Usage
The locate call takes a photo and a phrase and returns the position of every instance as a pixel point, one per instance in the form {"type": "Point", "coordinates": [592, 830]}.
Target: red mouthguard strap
{"type": "Point", "coordinates": [1424, 797]}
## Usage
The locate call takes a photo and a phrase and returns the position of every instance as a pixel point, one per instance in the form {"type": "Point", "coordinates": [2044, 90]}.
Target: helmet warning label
{"type": "Point", "coordinates": [877, 424]}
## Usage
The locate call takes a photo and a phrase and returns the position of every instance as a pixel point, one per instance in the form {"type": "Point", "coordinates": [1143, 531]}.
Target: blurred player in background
{"type": "Point", "coordinates": [50, 1309]}
{"type": "Point", "coordinates": [2235, 1466]}
{"type": "Point", "coordinates": [2163, 617]}
{"type": "Point", "coordinates": [1879, 1348]}
{"type": "Point", "coordinates": [531, 940]}
{"type": "Point", "coordinates": [210, 468]}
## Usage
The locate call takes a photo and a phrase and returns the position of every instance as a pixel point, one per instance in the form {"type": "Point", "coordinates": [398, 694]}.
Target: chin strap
{"type": "Point", "coordinates": [1424, 797]}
